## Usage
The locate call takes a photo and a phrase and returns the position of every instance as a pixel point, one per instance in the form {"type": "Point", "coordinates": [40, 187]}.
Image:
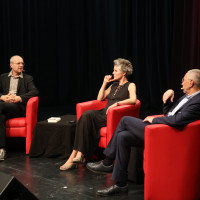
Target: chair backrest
{"type": "Point", "coordinates": [172, 162]}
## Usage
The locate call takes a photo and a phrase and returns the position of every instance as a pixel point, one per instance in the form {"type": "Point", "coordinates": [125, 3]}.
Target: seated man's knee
{"type": "Point", "coordinates": [126, 119]}
{"type": "Point", "coordinates": [122, 138]}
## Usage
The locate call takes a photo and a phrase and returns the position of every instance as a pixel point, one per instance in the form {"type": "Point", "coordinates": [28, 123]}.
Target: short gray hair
{"type": "Point", "coordinates": [124, 66]}
{"type": "Point", "coordinates": [11, 59]}
{"type": "Point", "coordinates": [194, 74]}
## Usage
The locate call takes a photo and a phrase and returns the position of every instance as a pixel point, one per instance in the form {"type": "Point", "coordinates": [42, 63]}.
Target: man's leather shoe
{"type": "Point", "coordinates": [112, 190]}
{"type": "Point", "coordinates": [99, 167]}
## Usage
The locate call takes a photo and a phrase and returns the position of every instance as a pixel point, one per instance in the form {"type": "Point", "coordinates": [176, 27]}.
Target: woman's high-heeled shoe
{"type": "Point", "coordinates": [68, 166]}
{"type": "Point", "coordinates": [80, 160]}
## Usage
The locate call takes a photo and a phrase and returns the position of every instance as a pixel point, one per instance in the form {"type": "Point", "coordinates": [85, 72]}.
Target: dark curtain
{"type": "Point", "coordinates": [69, 45]}
{"type": "Point", "coordinates": [186, 40]}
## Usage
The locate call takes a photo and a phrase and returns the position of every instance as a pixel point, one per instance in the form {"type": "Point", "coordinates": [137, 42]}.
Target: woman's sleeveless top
{"type": "Point", "coordinates": [117, 93]}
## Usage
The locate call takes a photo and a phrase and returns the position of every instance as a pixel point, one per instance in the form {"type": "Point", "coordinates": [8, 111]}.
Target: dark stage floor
{"type": "Point", "coordinates": [43, 178]}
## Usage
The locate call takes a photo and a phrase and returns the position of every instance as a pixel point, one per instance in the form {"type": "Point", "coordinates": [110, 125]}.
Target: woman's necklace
{"type": "Point", "coordinates": [119, 87]}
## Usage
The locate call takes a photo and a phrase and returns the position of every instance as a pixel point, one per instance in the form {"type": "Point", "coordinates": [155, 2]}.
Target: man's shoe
{"type": "Point", "coordinates": [2, 154]}
{"type": "Point", "coordinates": [99, 167]}
{"type": "Point", "coordinates": [112, 190]}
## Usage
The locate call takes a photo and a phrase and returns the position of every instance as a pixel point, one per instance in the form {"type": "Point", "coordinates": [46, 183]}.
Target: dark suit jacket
{"type": "Point", "coordinates": [26, 88]}
{"type": "Point", "coordinates": [189, 112]}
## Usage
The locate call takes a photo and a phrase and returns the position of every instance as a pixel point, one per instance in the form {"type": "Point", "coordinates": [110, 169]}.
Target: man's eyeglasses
{"type": "Point", "coordinates": [20, 63]}
{"type": "Point", "coordinates": [186, 79]}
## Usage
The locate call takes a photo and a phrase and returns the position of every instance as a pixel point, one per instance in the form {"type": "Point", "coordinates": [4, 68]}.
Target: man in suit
{"type": "Point", "coordinates": [130, 132]}
{"type": "Point", "coordinates": [16, 88]}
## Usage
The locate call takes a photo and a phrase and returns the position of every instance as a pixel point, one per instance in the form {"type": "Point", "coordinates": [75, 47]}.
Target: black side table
{"type": "Point", "coordinates": [54, 139]}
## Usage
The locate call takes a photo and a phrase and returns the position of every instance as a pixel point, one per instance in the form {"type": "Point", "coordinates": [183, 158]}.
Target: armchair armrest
{"type": "Point", "coordinates": [31, 112]}
{"type": "Point", "coordinates": [115, 114]}
{"type": "Point", "coordinates": [89, 105]}
{"type": "Point", "coordinates": [161, 115]}
{"type": "Point", "coordinates": [31, 120]}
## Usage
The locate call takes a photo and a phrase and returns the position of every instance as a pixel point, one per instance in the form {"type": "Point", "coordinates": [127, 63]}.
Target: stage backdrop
{"type": "Point", "coordinates": [69, 45]}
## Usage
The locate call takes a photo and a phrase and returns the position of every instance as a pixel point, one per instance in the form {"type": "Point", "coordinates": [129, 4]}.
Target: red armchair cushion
{"type": "Point", "coordinates": [16, 122]}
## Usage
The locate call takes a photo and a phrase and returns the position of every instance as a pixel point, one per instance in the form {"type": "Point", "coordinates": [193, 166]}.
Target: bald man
{"type": "Point", "coordinates": [16, 88]}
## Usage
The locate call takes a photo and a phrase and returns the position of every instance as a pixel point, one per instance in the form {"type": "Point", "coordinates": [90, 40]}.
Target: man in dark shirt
{"type": "Point", "coordinates": [16, 88]}
{"type": "Point", "coordinates": [130, 131]}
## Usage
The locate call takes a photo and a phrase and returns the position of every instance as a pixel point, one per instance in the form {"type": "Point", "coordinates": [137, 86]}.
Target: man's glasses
{"type": "Point", "coordinates": [186, 79]}
{"type": "Point", "coordinates": [20, 63]}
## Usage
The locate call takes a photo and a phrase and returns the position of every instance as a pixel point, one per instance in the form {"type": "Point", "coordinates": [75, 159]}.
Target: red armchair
{"type": "Point", "coordinates": [172, 162]}
{"type": "Point", "coordinates": [113, 116]}
{"type": "Point", "coordinates": [23, 126]}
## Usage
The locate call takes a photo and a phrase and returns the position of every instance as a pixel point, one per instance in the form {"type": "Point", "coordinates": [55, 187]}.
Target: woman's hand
{"type": "Point", "coordinates": [113, 105]}
{"type": "Point", "coordinates": [103, 92]}
{"type": "Point", "coordinates": [108, 79]}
